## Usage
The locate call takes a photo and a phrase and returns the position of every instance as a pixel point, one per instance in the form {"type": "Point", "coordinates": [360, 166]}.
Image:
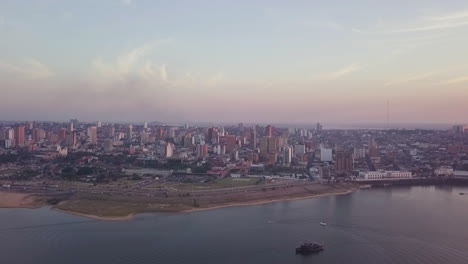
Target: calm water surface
{"type": "Point", "coordinates": [397, 225]}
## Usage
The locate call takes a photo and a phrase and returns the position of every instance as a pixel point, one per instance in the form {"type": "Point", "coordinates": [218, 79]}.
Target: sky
{"type": "Point", "coordinates": [229, 61]}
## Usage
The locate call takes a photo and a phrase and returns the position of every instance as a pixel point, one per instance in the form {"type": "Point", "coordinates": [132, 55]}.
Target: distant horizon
{"type": "Point", "coordinates": [326, 125]}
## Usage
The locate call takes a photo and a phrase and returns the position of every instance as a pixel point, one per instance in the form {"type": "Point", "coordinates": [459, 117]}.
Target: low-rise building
{"type": "Point", "coordinates": [381, 175]}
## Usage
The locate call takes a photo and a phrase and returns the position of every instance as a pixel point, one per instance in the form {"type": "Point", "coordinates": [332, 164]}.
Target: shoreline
{"type": "Point", "coordinates": [34, 205]}
{"type": "Point", "coordinates": [241, 204]}
{"type": "Point", "coordinates": [96, 217]}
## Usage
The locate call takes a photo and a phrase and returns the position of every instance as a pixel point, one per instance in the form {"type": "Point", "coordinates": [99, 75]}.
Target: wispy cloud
{"type": "Point", "coordinates": [133, 62]}
{"type": "Point", "coordinates": [438, 26]}
{"type": "Point", "coordinates": [452, 16]}
{"type": "Point", "coordinates": [28, 69]}
{"type": "Point", "coordinates": [440, 22]}
{"type": "Point", "coordinates": [343, 71]}
{"type": "Point", "coordinates": [408, 79]}
{"type": "Point", "coordinates": [456, 80]}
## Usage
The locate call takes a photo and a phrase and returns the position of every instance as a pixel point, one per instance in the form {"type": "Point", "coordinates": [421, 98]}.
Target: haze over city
{"type": "Point", "coordinates": [223, 61]}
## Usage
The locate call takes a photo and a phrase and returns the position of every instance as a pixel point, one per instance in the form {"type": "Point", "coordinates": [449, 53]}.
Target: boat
{"type": "Point", "coordinates": [323, 223]}
{"type": "Point", "coordinates": [309, 248]}
{"type": "Point", "coordinates": [462, 193]}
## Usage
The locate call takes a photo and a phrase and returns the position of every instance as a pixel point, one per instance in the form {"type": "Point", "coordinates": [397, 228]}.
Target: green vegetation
{"type": "Point", "coordinates": [114, 207]}
{"type": "Point", "coordinates": [227, 182]}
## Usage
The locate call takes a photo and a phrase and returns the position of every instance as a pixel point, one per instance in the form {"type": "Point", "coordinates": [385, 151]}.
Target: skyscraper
{"type": "Point", "coordinates": [130, 133]}
{"type": "Point", "coordinates": [253, 138]}
{"type": "Point", "coordinates": [344, 161]}
{"type": "Point", "coordinates": [92, 134]}
{"type": "Point", "coordinates": [287, 154]}
{"type": "Point", "coordinates": [62, 135]}
{"type": "Point", "coordinates": [19, 136]}
{"type": "Point", "coordinates": [268, 131]}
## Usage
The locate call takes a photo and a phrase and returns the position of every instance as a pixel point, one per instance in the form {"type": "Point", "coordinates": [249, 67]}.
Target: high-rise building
{"type": "Point", "coordinates": [75, 123]}
{"type": "Point", "coordinates": [145, 125]}
{"type": "Point", "coordinates": [108, 145]}
{"type": "Point", "coordinates": [171, 133]}
{"type": "Point", "coordinates": [71, 139]}
{"type": "Point", "coordinates": [38, 135]}
{"type": "Point", "coordinates": [299, 149]}
{"type": "Point", "coordinates": [287, 154]}
{"type": "Point", "coordinates": [268, 131]}
{"type": "Point", "coordinates": [92, 134]}
{"type": "Point", "coordinates": [189, 140]}
{"type": "Point", "coordinates": [241, 128]}
{"type": "Point", "coordinates": [229, 141]}
{"type": "Point", "coordinates": [130, 133]}
{"type": "Point", "coordinates": [62, 134]}
{"type": "Point", "coordinates": [169, 150]}
{"type": "Point", "coordinates": [253, 138]}
{"type": "Point", "coordinates": [202, 150]}
{"type": "Point", "coordinates": [144, 137]}
{"type": "Point", "coordinates": [98, 124]}
{"type": "Point", "coordinates": [326, 154]}
{"type": "Point", "coordinates": [212, 136]}
{"type": "Point", "coordinates": [318, 127]}
{"type": "Point", "coordinates": [111, 131]}
{"type": "Point", "coordinates": [344, 161]}
{"type": "Point", "coordinates": [19, 136]}
{"type": "Point", "coordinates": [3, 134]}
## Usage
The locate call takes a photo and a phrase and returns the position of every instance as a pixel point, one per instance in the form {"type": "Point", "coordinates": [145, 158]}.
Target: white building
{"type": "Point", "coordinates": [382, 175]}
{"type": "Point", "coordinates": [444, 171]}
{"type": "Point", "coordinates": [326, 154]}
{"type": "Point", "coordinates": [169, 150]}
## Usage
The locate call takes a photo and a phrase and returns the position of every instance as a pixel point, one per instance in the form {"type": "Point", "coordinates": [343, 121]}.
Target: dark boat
{"type": "Point", "coordinates": [309, 248]}
{"type": "Point", "coordinates": [462, 193]}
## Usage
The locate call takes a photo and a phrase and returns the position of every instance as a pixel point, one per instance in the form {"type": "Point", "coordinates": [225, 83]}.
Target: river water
{"type": "Point", "coordinates": [395, 225]}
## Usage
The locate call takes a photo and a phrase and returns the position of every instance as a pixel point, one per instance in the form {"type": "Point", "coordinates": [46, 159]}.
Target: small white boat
{"type": "Point", "coordinates": [323, 223]}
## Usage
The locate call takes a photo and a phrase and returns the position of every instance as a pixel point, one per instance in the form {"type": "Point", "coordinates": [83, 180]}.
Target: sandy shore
{"type": "Point", "coordinates": [18, 200]}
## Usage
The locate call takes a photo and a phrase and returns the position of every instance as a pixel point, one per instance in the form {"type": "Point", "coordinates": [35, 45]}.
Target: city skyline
{"type": "Point", "coordinates": [262, 62]}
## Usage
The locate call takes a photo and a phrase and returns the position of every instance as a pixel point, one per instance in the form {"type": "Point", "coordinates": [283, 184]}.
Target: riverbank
{"type": "Point", "coordinates": [123, 208]}
{"type": "Point", "coordinates": [20, 200]}
{"type": "Point", "coordinates": [270, 201]}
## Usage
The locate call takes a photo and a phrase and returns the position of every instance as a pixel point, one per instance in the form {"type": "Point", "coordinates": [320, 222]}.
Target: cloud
{"type": "Point", "coordinates": [343, 71]}
{"type": "Point", "coordinates": [447, 21]}
{"type": "Point", "coordinates": [28, 69]}
{"type": "Point", "coordinates": [152, 72]}
{"type": "Point", "coordinates": [439, 26]}
{"type": "Point", "coordinates": [408, 79]}
{"type": "Point", "coordinates": [460, 79]}
{"type": "Point", "coordinates": [123, 66]}
{"type": "Point", "coordinates": [452, 16]}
